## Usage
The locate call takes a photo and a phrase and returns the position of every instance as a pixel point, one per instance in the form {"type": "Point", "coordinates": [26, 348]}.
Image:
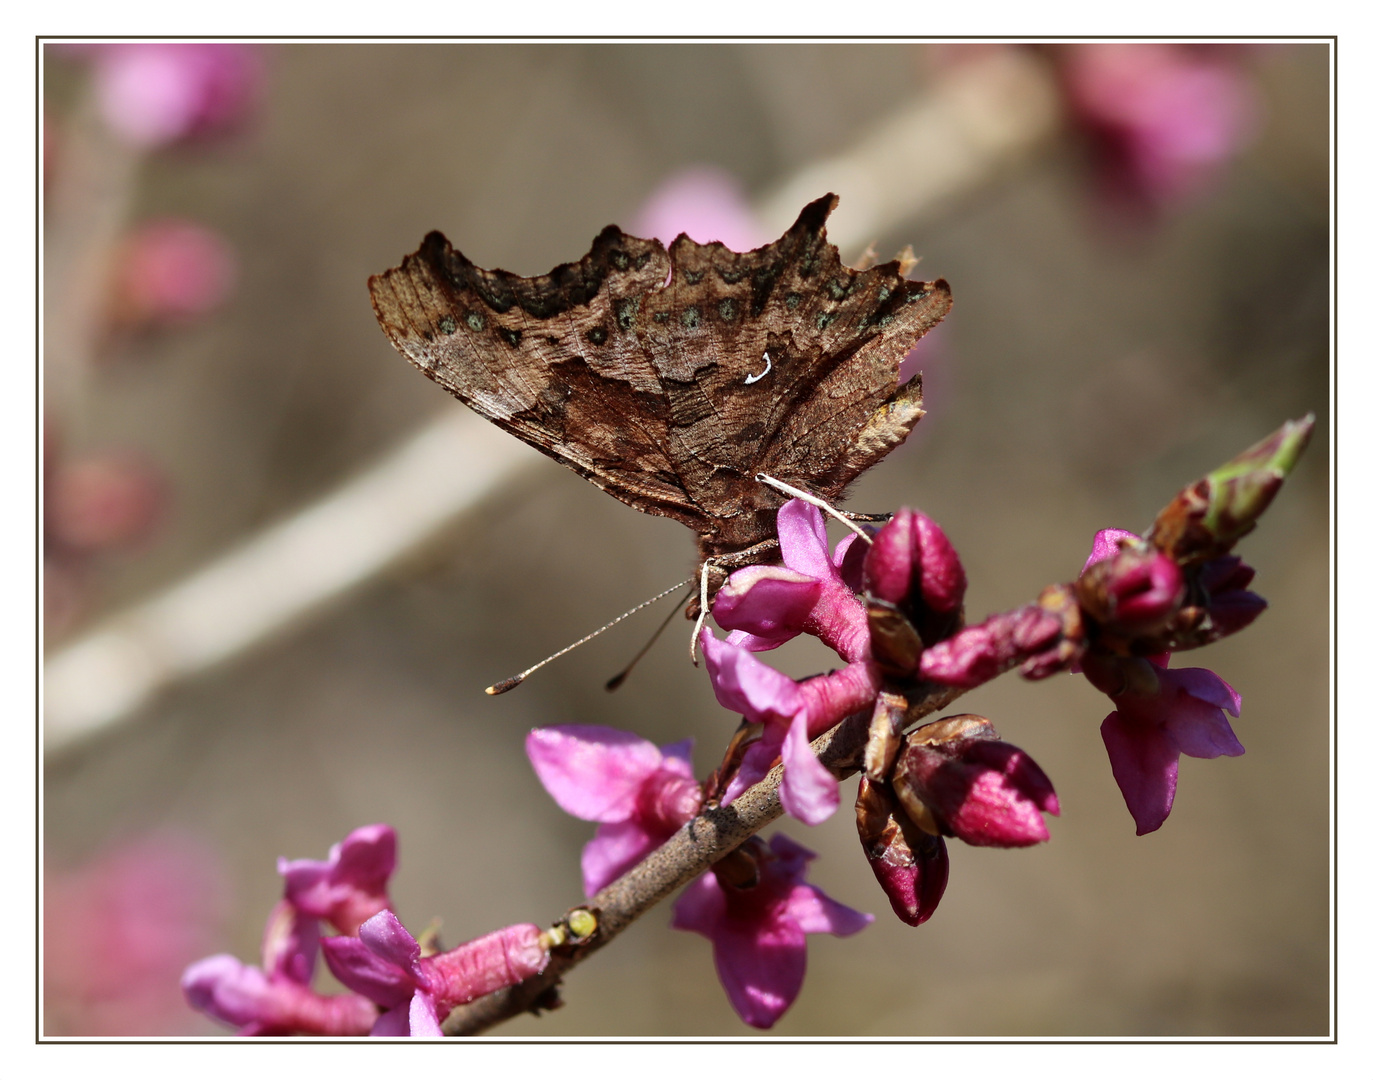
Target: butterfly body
{"type": "Point", "coordinates": [671, 377]}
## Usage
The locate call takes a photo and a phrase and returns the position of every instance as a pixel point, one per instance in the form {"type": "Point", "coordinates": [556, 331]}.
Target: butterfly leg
{"type": "Point", "coordinates": [730, 561]}
{"type": "Point", "coordinates": [847, 520]}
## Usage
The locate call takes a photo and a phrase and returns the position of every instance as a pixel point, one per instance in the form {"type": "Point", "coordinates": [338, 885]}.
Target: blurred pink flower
{"type": "Point", "coordinates": [1160, 118]}
{"type": "Point", "coordinates": [170, 271]}
{"type": "Point", "coordinates": [705, 202]}
{"type": "Point", "coordinates": [118, 930]}
{"type": "Point", "coordinates": [758, 929]}
{"type": "Point", "coordinates": [640, 794]}
{"type": "Point", "coordinates": [154, 94]}
{"type": "Point", "coordinates": [106, 500]}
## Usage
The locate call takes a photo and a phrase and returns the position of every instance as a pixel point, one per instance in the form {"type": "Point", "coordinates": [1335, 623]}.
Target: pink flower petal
{"type": "Point", "coordinates": [816, 913]}
{"type": "Point", "coordinates": [745, 685]}
{"type": "Point", "coordinates": [615, 848]}
{"type": "Point", "coordinates": [366, 973]}
{"type": "Point", "coordinates": [1144, 761]}
{"type": "Point", "coordinates": [677, 759]}
{"type": "Point", "coordinates": [1106, 544]}
{"type": "Point", "coordinates": [809, 792]}
{"type": "Point", "coordinates": [386, 936]}
{"type": "Point", "coordinates": [761, 969]}
{"type": "Point", "coordinates": [592, 772]}
{"type": "Point", "coordinates": [700, 907]}
{"type": "Point", "coordinates": [890, 565]}
{"type": "Point", "coordinates": [424, 1019]}
{"type": "Point", "coordinates": [769, 602]}
{"type": "Point", "coordinates": [1207, 686]}
{"type": "Point", "coordinates": [227, 989]}
{"type": "Point", "coordinates": [942, 580]}
{"type": "Point", "coordinates": [805, 545]}
{"type": "Point", "coordinates": [394, 1023]}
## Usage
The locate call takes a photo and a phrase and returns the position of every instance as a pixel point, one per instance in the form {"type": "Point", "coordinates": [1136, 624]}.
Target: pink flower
{"type": "Point", "coordinates": [415, 992]}
{"type": "Point", "coordinates": [758, 929]}
{"type": "Point", "coordinates": [276, 999]}
{"type": "Point", "coordinates": [706, 203]}
{"type": "Point", "coordinates": [350, 887]}
{"type": "Point", "coordinates": [119, 929]}
{"type": "Point", "coordinates": [1161, 118]}
{"type": "Point", "coordinates": [641, 795]}
{"type": "Point", "coordinates": [958, 778]}
{"type": "Point", "coordinates": [792, 714]}
{"type": "Point", "coordinates": [765, 606]}
{"type": "Point", "coordinates": [156, 94]}
{"type": "Point", "coordinates": [1160, 714]}
{"type": "Point", "coordinates": [170, 271]}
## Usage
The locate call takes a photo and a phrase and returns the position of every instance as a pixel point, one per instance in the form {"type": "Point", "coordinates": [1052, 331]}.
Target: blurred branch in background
{"type": "Point", "coordinates": [976, 122]}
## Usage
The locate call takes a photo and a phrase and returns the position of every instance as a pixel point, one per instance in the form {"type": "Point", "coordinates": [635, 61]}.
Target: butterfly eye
{"type": "Point", "coordinates": [749, 380]}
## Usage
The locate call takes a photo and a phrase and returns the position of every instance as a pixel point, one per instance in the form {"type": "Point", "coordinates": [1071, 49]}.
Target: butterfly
{"type": "Point", "coordinates": [672, 377]}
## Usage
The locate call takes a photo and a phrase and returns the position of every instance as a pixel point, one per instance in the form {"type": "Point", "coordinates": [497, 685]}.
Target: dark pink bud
{"type": "Point", "coordinates": [942, 580]}
{"type": "Point", "coordinates": [891, 560]}
{"type": "Point", "coordinates": [1135, 592]}
{"type": "Point", "coordinates": [910, 556]}
{"type": "Point", "coordinates": [958, 775]}
{"type": "Point", "coordinates": [910, 865]}
{"type": "Point", "coordinates": [979, 653]}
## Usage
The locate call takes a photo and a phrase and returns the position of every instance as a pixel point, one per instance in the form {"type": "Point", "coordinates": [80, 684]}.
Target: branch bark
{"type": "Point", "coordinates": [702, 841]}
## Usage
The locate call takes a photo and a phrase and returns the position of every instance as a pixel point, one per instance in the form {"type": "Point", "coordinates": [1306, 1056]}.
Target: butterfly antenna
{"type": "Point", "coordinates": [515, 680]}
{"type": "Point", "coordinates": [615, 683]}
{"type": "Point", "coordinates": [814, 500]}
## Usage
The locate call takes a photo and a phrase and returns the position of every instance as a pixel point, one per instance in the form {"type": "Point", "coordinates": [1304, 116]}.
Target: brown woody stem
{"type": "Point", "coordinates": [702, 841]}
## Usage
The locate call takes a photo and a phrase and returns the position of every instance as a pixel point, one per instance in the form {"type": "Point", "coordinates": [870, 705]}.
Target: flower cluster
{"type": "Point", "coordinates": [754, 905]}
{"type": "Point", "coordinates": [398, 986]}
{"type": "Point", "coordinates": [879, 604]}
{"type": "Point", "coordinates": [1138, 600]}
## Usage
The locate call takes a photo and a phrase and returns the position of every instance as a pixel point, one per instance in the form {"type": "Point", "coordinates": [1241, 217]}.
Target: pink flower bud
{"type": "Point", "coordinates": [1133, 593]}
{"type": "Point", "coordinates": [910, 865]}
{"type": "Point", "coordinates": [958, 775]}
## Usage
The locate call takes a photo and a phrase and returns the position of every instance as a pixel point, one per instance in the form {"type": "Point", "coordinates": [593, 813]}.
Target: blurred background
{"type": "Point", "coordinates": [1137, 238]}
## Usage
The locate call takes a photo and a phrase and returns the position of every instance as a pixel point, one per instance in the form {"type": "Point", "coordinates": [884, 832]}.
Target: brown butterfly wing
{"type": "Point", "coordinates": [540, 357]}
{"type": "Point", "coordinates": [670, 378]}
